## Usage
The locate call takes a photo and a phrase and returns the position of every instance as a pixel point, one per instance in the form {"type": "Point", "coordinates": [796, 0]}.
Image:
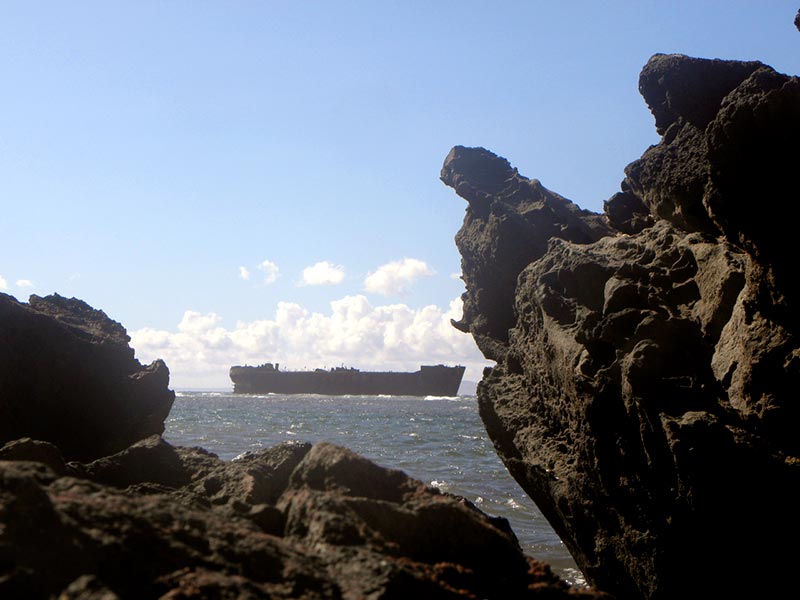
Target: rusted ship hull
{"type": "Point", "coordinates": [437, 380]}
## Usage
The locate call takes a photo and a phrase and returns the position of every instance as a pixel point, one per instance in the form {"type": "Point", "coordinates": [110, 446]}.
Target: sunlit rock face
{"type": "Point", "coordinates": [69, 377]}
{"type": "Point", "coordinates": [648, 361]}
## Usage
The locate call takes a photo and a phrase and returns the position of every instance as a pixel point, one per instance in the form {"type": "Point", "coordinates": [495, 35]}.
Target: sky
{"type": "Point", "coordinates": [250, 181]}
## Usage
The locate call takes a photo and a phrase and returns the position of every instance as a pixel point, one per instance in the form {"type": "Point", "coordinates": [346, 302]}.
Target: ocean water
{"type": "Point", "coordinates": [440, 441]}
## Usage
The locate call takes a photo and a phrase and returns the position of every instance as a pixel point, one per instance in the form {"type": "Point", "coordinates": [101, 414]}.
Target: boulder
{"type": "Point", "coordinates": [645, 388]}
{"type": "Point", "coordinates": [293, 521]}
{"type": "Point", "coordinates": [95, 504]}
{"type": "Point", "coordinates": [69, 377]}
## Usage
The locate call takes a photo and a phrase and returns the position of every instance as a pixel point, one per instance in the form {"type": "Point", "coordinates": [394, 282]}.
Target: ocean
{"type": "Point", "coordinates": [440, 441]}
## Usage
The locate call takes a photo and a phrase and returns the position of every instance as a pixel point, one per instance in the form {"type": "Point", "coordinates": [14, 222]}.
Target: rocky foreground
{"type": "Point", "coordinates": [99, 506]}
{"type": "Point", "coordinates": [648, 365]}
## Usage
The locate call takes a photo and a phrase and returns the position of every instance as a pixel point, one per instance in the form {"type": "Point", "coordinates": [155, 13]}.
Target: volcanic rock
{"type": "Point", "coordinates": [645, 388]}
{"type": "Point", "coordinates": [95, 504]}
{"type": "Point", "coordinates": [496, 240]}
{"type": "Point", "coordinates": [69, 377]}
{"type": "Point", "coordinates": [293, 521]}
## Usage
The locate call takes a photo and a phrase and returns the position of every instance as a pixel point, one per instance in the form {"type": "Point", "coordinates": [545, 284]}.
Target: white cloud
{"type": "Point", "coordinates": [271, 271]}
{"type": "Point", "coordinates": [3, 283]}
{"type": "Point", "coordinates": [244, 273]}
{"type": "Point", "coordinates": [455, 275]}
{"type": "Point", "coordinates": [323, 273]}
{"type": "Point", "coordinates": [195, 322]}
{"type": "Point", "coordinates": [395, 278]}
{"type": "Point", "coordinates": [354, 332]}
{"type": "Point", "coordinates": [24, 283]}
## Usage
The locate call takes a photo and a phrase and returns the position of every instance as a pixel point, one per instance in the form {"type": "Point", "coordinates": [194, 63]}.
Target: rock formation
{"type": "Point", "coordinates": [69, 377]}
{"type": "Point", "coordinates": [293, 521]}
{"type": "Point", "coordinates": [645, 393]}
{"type": "Point", "coordinates": [100, 506]}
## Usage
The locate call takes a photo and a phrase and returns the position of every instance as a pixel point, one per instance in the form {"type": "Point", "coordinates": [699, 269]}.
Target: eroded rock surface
{"type": "Point", "coordinates": [645, 394]}
{"type": "Point", "coordinates": [95, 505]}
{"type": "Point", "coordinates": [69, 377]}
{"type": "Point", "coordinates": [292, 521]}
{"type": "Point", "coordinates": [496, 240]}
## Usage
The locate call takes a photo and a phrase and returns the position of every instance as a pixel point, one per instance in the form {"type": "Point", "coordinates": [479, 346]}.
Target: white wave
{"type": "Point", "coordinates": [575, 577]}
{"type": "Point", "coordinates": [513, 503]}
{"type": "Point", "coordinates": [440, 485]}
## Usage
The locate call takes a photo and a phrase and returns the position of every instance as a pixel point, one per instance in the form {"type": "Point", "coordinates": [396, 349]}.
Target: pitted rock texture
{"type": "Point", "coordinates": [645, 394]}
{"type": "Point", "coordinates": [69, 377]}
{"type": "Point", "coordinates": [94, 504]}
{"type": "Point", "coordinates": [292, 521]}
{"type": "Point", "coordinates": [496, 240]}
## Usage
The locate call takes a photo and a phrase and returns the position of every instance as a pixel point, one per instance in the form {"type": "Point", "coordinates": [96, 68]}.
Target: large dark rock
{"type": "Point", "coordinates": [69, 377]}
{"type": "Point", "coordinates": [293, 521]}
{"type": "Point", "coordinates": [496, 241]}
{"type": "Point", "coordinates": [94, 504]}
{"type": "Point", "coordinates": [645, 394]}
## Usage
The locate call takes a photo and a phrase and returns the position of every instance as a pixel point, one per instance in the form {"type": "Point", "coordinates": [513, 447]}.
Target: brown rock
{"type": "Point", "coordinates": [504, 207]}
{"type": "Point", "coordinates": [26, 449]}
{"type": "Point", "coordinates": [342, 528]}
{"type": "Point", "coordinates": [645, 395]}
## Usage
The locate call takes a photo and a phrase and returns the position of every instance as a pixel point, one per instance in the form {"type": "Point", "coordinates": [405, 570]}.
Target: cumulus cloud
{"type": "Point", "coordinates": [24, 283]}
{"type": "Point", "coordinates": [195, 322]}
{"type": "Point", "coordinates": [270, 270]}
{"type": "Point", "coordinates": [323, 273]}
{"type": "Point", "coordinates": [3, 283]}
{"type": "Point", "coordinates": [395, 278]}
{"type": "Point", "coordinates": [244, 273]}
{"type": "Point", "coordinates": [354, 332]}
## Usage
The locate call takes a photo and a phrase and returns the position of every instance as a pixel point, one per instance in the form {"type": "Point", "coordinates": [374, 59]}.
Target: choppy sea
{"type": "Point", "coordinates": [440, 441]}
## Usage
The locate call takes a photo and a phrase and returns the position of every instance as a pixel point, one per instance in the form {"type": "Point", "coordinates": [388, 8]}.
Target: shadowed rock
{"type": "Point", "coordinates": [140, 518]}
{"type": "Point", "coordinates": [645, 392]}
{"type": "Point", "coordinates": [293, 521]}
{"type": "Point", "coordinates": [69, 377]}
{"type": "Point", "coordinates": [35, 451]}
{"type": "Point", "coordinates": [496, 242]}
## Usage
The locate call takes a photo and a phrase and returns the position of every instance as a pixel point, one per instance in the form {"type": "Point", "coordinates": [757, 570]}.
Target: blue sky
{"type": "Point", "coordinates": [152, 153]}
